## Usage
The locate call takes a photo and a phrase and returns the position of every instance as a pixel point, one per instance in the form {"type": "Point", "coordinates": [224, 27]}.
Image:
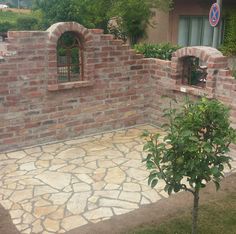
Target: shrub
{"type": "Point", "coordinates": [6, 26]}
{"type": "Point", "coordinates": [229, 46]}
{"type": "Point", "coordinates": [161, 51]}
{"type": "Point", "coordinates": [26, 23]}
{"type": "Point", "coordinates": [195, 150]}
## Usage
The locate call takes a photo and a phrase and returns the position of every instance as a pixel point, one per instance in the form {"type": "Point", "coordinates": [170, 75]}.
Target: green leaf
{"type": "Point", "coordinates": [154, 183]}
{"type": "Point", "coordinates": [217, 184]}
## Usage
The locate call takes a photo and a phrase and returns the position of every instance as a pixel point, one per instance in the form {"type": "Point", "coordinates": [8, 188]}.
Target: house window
{"type": "Point", "coordinates": [69, 58]}
{"type": "Point", "coordinates": [195, 31]}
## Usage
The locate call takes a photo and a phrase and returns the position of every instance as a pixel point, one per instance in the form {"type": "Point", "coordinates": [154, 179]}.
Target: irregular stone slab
{"type": "Point", "coordinates": [71, 153]}
{"type": "Point", "coordinates": [132, 187]}
{"type": "Point", "coordinates": [40, 211]}
{"type": "Point", "coordinates": [42, 202]}
{"type": "Point", "coordinates": [101, 212]}
{"type": "Point", "coordinates": [26, 159]}
{"type": "Point", "coordinates": [59, 198]}
{"type": "Point", "coordinates": [9, 168]}
{"type": "Point", "coordinates": [17, 154]}
{"type": "Point", "coordinates": [112, 186]}
{"type": "Point", "coordinates": [41, 190]}
{"type": "Point", "coordinates": [79, 141]}
{"type": "Point", "coordinates": [134, 155]}
{"type": "Point", "coordinates": [151, 195]}
{"type": "Point", "coordinates": [107, 193]}
{"type": "Point", "coordinates": [16, 213]}
{"type": "Point", "coordinates": [85, 178]}
{"type": "Point", "coordinates": [37, 227]}
{"type": "Point", "coordinates": [42, 163]}
{"type": "Point", "coordinates": [6, 204]}
{"type": "Point", "coordinates": [28, 218]}
{"type": "Point", "coordinates": [130, 196]}
{"type": "Point", "coordinates": [22, 195]}
{"type": "Point", "coordinates": [51, 225]}
{"type": "Point", "coordinates": [30, 181]}
{"type": "Point", "coordinates": [28, 166]}
{"type": "Point", "coordinates": [119, 211]}
{"type": "Point", "coordinates": [78, 202]}
{"type": "Point", "coordinates": [115, 176]}
{"type": "Point", "coordinates": [81, 187]}
{"type": "Point", "coordinates": [134, 163]}
{"type": "Point", "coordinates": [58, 214]}
{"type": "Point", "coordinates": [137, 174]}
{"type": "Point", "coordinates": [72, 222]}
{"type": "Point", "coordinates": [98, 185]}
{"type": "Point", "coordinates": [52, 147]}
{"type": "Point", "coordinates": [106, 163]}
{"type": "Point", "coordinates": [3, 156]}
{"type": "Point", "coordinates": [117, 203]}
{"type": "Point", "coordinates": [145, 201]}
{"type": "Point", "coordinates": [56, 180]}
{"type": "Point", "coordinates": [82, 170]}
{"type": "Point", "coordinates": [33, 150]}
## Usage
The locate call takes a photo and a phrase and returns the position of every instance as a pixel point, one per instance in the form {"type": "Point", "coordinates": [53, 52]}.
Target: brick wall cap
{"type": "Point", "coordinates": [57, 29]}
{"type": "Point", "coordinates": [202, 52]}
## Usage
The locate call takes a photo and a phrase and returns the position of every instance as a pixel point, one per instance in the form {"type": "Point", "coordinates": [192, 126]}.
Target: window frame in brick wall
{"type": "Point", "coordinates": [70, 67]}
{"type": "Point", "coordinates": [194, 72]}
{"type": "Point", "coordinates": [85, 37]}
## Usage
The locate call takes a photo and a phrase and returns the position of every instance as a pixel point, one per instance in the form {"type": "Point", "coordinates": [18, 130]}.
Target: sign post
{"type": "Point", "coordinates": [214, 19]}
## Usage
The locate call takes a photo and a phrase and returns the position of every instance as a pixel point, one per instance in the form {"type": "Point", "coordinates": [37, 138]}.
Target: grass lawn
{"type": "Point", "coordinates": [215, 217]}
{"type": "Point", "coordinates": [10, 16]}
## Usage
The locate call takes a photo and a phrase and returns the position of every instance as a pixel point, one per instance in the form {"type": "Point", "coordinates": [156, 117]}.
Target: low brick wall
{"type": "Point", "coordinates": [120, 88]}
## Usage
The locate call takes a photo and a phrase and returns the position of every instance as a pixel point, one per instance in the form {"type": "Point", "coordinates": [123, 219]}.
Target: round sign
{"type": "Point", "coordinates": [214, 15]}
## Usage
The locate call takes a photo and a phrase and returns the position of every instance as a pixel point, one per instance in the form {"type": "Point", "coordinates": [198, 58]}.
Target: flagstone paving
{"type": "Point", "coordinates": [58, 187]}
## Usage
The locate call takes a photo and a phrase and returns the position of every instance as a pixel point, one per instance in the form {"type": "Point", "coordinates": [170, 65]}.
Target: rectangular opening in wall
{"type": "Point", "coordinates": [194, 72]}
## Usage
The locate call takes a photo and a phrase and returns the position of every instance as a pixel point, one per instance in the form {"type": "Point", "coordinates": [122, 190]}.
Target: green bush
{"type": "Point", "coordinates": [26, 23]}
{"type": "Point", "coordinates": [229, 46]}
{"type": "Point", "coordinates": [6, 26]}
{"type": "Point", "coordinates": [161, 51]}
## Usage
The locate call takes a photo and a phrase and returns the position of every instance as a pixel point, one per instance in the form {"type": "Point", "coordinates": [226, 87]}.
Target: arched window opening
{"type": "Point", "coordinates": [194, 72]}
{"type": "Point", "coordinates": [69, 58]}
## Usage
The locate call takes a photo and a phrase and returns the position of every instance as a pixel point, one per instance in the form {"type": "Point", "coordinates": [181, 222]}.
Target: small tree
{"type": "Point", "coordinates": [194, 150]}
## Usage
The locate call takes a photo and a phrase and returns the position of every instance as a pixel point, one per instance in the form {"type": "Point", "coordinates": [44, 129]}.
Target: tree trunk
{"type": "Point", "coordinates": [195, 212]}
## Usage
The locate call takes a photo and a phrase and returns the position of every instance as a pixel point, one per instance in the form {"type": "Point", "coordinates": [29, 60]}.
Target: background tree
{"type": "Point", "coordinates": [193, 152]}
{"type": "Point", "coordinates": [134, 14]}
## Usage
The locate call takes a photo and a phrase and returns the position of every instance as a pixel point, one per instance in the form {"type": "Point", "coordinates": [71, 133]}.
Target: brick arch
{"type": "Point", "coordinates": [204, 53]}
{"type": "Point", "coordinates": [54, 33]}
{"type": "Point", "coordinates": [213, 58]}
{"type": "Point", "coordinates": [56, 30]}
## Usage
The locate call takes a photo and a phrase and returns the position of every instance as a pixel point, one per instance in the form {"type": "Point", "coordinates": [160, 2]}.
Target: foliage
{"type": "Point", "coordinates": [229, 46]}
{"type": "Point", "coordinates": [18, 21]}
{"type": "Point", "coordinates": [161, 51]}
{"type": "Point", "coordinates": [26, 23]}
{"type": "Point", "coordinates": [135, 14]}
{"type": "Point", "coordinates": [6, 26]}
{"type": "Point", "coordinates": [115, 27]}
{"type": "Point", "coordinates": [194, 150]}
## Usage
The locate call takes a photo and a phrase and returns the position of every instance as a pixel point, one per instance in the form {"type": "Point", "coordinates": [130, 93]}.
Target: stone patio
{"type": "Point", "coordinates": [58, 187]}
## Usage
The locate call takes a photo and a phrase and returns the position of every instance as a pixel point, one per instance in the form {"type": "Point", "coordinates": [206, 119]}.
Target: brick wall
{"type": "Point", "coordinates": [119, 89]}
{"type": "Point", "coordinates": [35, 109]}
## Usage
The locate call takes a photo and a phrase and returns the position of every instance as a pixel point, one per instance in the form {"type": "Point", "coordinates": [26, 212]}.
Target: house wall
{"type": "Point", "coordinates": [120, 88]}
{"type": "Point", "coordinates": [185, 8]}
{"type": "Point", "coordinates": [157, 31]}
